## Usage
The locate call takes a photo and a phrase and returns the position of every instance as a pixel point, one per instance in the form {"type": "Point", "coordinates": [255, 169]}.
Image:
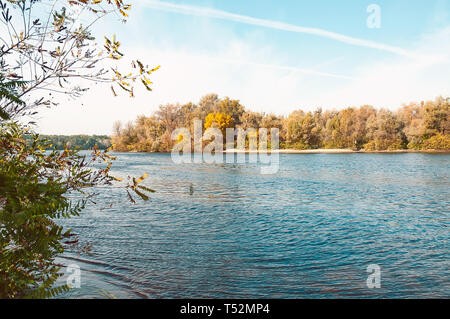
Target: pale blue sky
{"type": "Point", "coordinates": [257, 51]}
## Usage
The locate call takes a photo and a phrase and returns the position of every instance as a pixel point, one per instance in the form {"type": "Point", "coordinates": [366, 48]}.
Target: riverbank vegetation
{"type": "Point", "coordinates": [81, 142]}
{"type": "Point", "coordinates": [48, 53]}
{"type": "Point", "coordinates": [416, 126]}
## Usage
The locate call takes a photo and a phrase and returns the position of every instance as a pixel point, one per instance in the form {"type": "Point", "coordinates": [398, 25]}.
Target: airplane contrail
{"type": "Point", "coordinates": [219, 14]}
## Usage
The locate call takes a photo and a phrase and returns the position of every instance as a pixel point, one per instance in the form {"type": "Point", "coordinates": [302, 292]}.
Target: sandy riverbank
{"type": "Point", "coordinates": [333, 151]}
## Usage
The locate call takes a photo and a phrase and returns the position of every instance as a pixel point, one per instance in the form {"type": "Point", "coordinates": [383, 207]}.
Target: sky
{"type": "Point", "coordinates": [273, 56]}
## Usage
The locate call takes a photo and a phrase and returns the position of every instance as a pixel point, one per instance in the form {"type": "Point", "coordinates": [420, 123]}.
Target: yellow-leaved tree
{"type": "Point", "coordinates": [218, 120]}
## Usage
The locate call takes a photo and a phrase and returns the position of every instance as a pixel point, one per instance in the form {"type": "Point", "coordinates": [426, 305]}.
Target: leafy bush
{"type": "Point", "coordinates": [417, 145]}
{"type": "Point", "coordinates": [438, 142]}
{"type": "Point", "coordinates": [35, 184]}
{"type": "Point", "coordinates": [81, 142]}
{"type": "Point", "coordinates": [384, 145]}
{"type": "Point", "coordinates": [298, 146]}
{"type": "Point", "coordinates": [33, 189]}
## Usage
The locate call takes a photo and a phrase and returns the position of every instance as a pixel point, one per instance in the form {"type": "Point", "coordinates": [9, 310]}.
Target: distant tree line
{"type": "Point", "coordinates": [416, 126]}
{"type": "Point", "coordinates": [81, 142]}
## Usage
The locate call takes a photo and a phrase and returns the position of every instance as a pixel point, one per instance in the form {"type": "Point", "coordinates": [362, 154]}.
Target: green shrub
{"type": "Point", "coordinates": [34, 185]}
{"type": "Point", "coordinates": [384, 145]}
{"type": "Point", "coordinates": [438, 142]}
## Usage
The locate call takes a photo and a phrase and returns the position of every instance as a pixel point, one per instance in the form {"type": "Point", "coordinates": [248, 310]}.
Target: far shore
{"type": "Point", "coordinates": [334, 151]}
{"type": "Point", "coordinates": [315, 151]}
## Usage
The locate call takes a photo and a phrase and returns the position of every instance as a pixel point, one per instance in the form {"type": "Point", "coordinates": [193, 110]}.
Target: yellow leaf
{"type": "Point", "coordinates": [140, 179]}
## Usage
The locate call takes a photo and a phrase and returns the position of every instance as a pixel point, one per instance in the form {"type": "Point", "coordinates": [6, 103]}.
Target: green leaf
{"type": "Point", "coordinates": [147, 189]}
{"type": "Point", "coordinates": [142, 195]}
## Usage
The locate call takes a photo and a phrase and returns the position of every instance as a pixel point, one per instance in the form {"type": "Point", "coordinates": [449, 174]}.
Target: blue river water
{"type": "Point", "coordinates": [309, 231]}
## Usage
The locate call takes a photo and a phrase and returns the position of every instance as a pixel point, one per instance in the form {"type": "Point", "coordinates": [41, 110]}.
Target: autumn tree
{"type": "Point", "coordinates": [250, 119]}
{"type": "Point", "coordinates": [385, 132]}
{"type": "Point", "coordinates": [332, 135]}
{"type": "Point", "coordinates": [355, 128]}
{"type": "Point", "coordinates": [219, 120]}
{"type": "Point", "coordinates": [359, 132]}
{"type": "Point", "coordinates": [230, 107]}
{"type": "Point", "coordinates": [186, 115]}
{"type": "Point", "coordinates": [436, 116]}
{"type": "Point", "coordinates": [412, 117]}
{"type": "Point", "coordinates": [206, 106]}
{"type": "Point", "coordinates": [168, 116]}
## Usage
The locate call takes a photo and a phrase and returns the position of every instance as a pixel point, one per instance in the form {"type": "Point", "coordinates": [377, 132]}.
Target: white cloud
{"type": "Point", "coordinates": [258, 76]}
{"type": "Point", "coordinates": [185, 77]}
{"type": "Point", "coordinates": [219, 14]}
{"type": "Point", "coordinates": [392, 82]}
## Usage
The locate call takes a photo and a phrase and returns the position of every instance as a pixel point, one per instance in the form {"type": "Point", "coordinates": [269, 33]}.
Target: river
{"type": "Point", "coordinates": [309, 231]}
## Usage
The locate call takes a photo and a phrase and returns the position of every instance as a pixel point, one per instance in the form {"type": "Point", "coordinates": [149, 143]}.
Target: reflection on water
{"type": "Point", "coordinates": [309, 231]}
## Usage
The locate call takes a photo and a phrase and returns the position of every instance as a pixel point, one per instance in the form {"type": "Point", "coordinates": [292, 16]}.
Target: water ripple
{"type": "Point", "coordinates": [309, 231]}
